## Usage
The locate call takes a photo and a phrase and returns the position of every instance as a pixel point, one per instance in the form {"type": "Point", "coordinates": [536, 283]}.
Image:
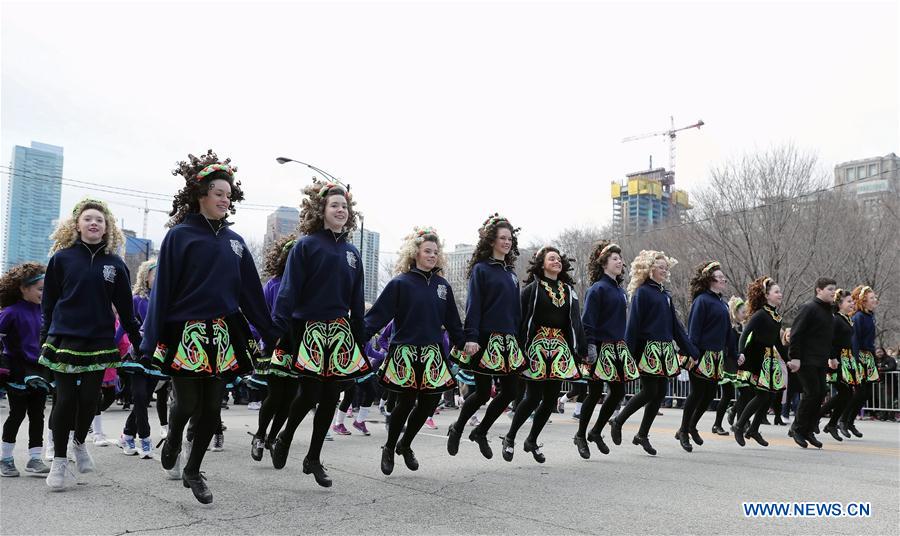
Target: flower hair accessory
{"type": "Point", "coordinates": [79, 208]}
{"type": "Point", "coordinates": [288, 245]}
{"type": "Point", "coordinates": [419, 233]}
{"type": "Point", "coordinates": [212, 168]}
{"type": "Point", "coordinates": [334, 185]}
{"type": "Point", "coordinates": [714, 265]}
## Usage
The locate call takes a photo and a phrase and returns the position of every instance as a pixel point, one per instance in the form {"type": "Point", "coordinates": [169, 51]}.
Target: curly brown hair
{"type": "Point", "coordinates": [756, 293]}
{"type": "Point", "coordinates": [703, 277]}
{"type": "Point", "coordinates": [277, 255]}
{"type": "Point", "coordinates": [839, 296]}
{"type": "Point", "coordinates": [487, 234]}
{"type": "Point", "coordinates": [536, 266]}
{"type": "Point", "coordinates": [12, 281]}
{"type": "Point", "coordinates": [603, 249]}
{"type": "Point", "coordinates": [187, 200]}
{"type": "Point", "coordinates": [312, 208]}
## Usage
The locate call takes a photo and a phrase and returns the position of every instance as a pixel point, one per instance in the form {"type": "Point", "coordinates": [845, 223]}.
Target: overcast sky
{"type": "Point", "coordinates": [441, 113]}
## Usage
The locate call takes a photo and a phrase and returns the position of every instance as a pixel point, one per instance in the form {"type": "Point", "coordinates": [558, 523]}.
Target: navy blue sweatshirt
{"type": "Point", "coordinates": [80, 288]}
{"type": "Point", "coordinates": [863, 332]}
{"type": "Point", "coordinates": [323, 280]}
{"type": "Point", "coordinates": [493, 303]}
{"type": "Point", "coordinates": [421, 304]}
{"type": "Point", "coordinates": [604, 312]}
{"type": "Point", "coordinates": [653, 319]}
{"type": "Point", "coordinates": [709, 322]}
{"type": "Point", "coordinates": [202, 274]}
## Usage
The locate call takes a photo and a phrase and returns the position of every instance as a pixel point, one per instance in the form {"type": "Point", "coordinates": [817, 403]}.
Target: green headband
{"type": "Point", "coordinates": [212, 168]}
{"type": "Point", "coordinates": [710, 266]}
{"type": "Point", "coordinates": [79, 208]}
{"type": "Point", "coordinates": [32, 280]}
{"type": "Point", "coordinates": [288, 245]}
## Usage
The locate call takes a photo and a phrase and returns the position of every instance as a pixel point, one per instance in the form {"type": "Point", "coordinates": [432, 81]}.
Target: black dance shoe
{"type": "Point", "coordinates": [509, 448]}
{"type": "Point", "coordinates": [778, 421]}
{"type": "Point", "coordinates": [280, 450]}
{"type": "Point", "coordinates": [842, 428]}
{"type": "Point", "coordinates": [615, 431]}
{"type": "Point", "coordinates": [169, 453]}
{"type": "Point", "coordinates": [483, 444]}
{"type": "Point", "coordinates": [409, 457]}
{"type": "Point", "coordinates": [387, 460]}
{"type": "Point", "coordinates": [738, 431]}
{"type": "Point", "coordinates": [596, 437]}
{"type": "Point", "coordinates": [684, 440]}
{"type": "Point", "coordinates": [832, 429]}
{"type": "Point", "coordinates": [582, 446]}
{"type": "Point", "coordinates": [756, 436]}
{"type": "Point", "coordinates": [453, 436]}
{"type": "Point", "coordinates": [798, 438]}
{"type": "Point", "coordinates": [812, 440]}
{"type": "Point", "coordinates": [730, 414]}
{"type": "Point", "coordinates": [535, 450]}
{"type": "Point", "coordinates": [645, 443]}
{"type": "Point", "coordinates": [198, 487]}
{"type": "Point", "coordinates": [695, 435]}
{"type": "Point", "coordinates": [718, 430]}
{"type": "Point", "coordinates": [318, 471]}
{"type": "Point", "coordinates": [257, 446]}
{"type": "Point", "coordinates": [853, 430]}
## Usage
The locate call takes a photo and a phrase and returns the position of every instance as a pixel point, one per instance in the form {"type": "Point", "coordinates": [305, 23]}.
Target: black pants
{"type": "Point", "coordinates": [313, 393]}
{"type": "Point", "coordinates": [703, 391]}
{"type": "Point", "coordinates": [200, 398]}
{"type": "Point", "coordinates": [483, 384]}
{"type": "Point", "coordinates": [540, 395]}
{"type": "Point", "coordinates": [277, 405]}
{"type": "Point", "coordinates": [162, 402]}
{"type": "Point", "coordinates": [653, 391]}
{"type": "Point", "coordinates": [106, 398]}
{"type": "Point", "coordinates": [30, 403]}
{"type": "Point", "coordinates": [838, 403]}
{"type": "Point", "coordinates": [727, 395]}
{"type": "Point", "coordinates": [755, 410]}
{"type": "Point", "coordinates": [812, 380]}
{"type": "Point", "coordinates": [365, 393]}
{"type": "Point", "coordinates": [412, 410]}
{"type": "Point", "coordinates": [138, 423]}
{"type": "Point", "coordinates": [857, 402]}
{"type": "Point", "coordinates": [349, 395]}
{"type": "Point", "coordinates": [74, 407]}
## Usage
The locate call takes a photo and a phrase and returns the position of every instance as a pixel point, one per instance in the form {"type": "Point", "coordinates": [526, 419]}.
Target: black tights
{"type": "Point", "coordinates": [703, 391]}
{"type": "Point", "coordinates": [349, 394]}
{"type": "Point", "coordinates": [200, 398]}
{"type": "Point", "coordinates": [138, 423]}
{"type": "Point", "coordinates": [613, 398]}
{"type": "Point", "coordinates": [653, 391]}
{"type": "Point", "coordinates": [755, 409]}
{"type": "Point", "coordinates": [162, 402]}
{"type": "Point", "coordinates": [412, 410]}
{"type": "Point", "coordinates": [538, 395]}
{"type": "Point", "coordinates": [860, 395]}
{"type": "Point", "coordinates": [483, 384]}
{"type": "Point", "coordinates": [313, 392]}
{"type": "Point", "coordinates": [74, 407]}
{"type": "Point", "coordinates": [727, 395]}
{"type": "Point", "coordinates": [838, 404]}
{"type": "Point", "coordinates": [30, 403]}
{"type": "Point", "coordinates": [277, 405]}
{"type": "Point", "coordinates": [106, 398]}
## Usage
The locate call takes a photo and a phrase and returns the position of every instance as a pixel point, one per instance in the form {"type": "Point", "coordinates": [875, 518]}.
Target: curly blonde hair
{"type": "Point", "coordinates": [312, 208]}
{"type": "Point", "coordinates": [406, 257]}
{"type": "Point", "coordinates": [640, 267]}
{"type": "Point", "coordinates": [66, 232]}
{"type": "Point", "coordinates": [141, 281]}
{"type": "Point", "coordinates": [734, 305]}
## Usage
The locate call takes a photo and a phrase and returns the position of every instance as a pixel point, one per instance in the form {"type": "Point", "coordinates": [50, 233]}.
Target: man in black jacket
{"type": "Point", "coordinates": [809, 356]}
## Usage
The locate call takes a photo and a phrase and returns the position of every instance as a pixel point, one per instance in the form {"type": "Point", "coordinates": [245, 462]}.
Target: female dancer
{"type": "Point", "coordinates": [847, 376]}
{"type": "Point", "coordinates": [737, 311]}
{"type": "Point", "coordinates": [420, 302]}
{"type": "Point", "coordinates": [322, 283]}
{"type": "Point", "coordinates": [608, 357]}
{"type": "Point", "coordinates": [26, 387]}
{"type": "Point", "coordinates": [493, 315]}
{"type": "Point", "coordinates": [85, 278]}
{"type": "Point", "coordinates": [763, 348]}
{"type": "Point", "coordinates": [864, 349]}
{"type": "Point", "coordinates": [652, 331]}
{"type": "Point", "coordinates": [281, 382]}
{"type": "Point", "coordinates": [554, 339]}
{"type": "Point", "coordinates": [709, 327]}
{"type": "Point", "coordinates": [196, 329]}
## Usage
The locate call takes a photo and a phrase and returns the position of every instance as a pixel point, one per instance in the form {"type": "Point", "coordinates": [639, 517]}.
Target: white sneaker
{"type": "Point", "coordinates": [100, 440]}
{"type": "Point", "coordinates": [474, 421]}
{"type": "Point", "coordinates": [163, 431]}
{"type": "Point", "coordinates": [61, 475]}
{"type": "Point", "coordinates": [49, 450]}
{"type": "Point", "coordinates": [83, 461]}
{"type": "Point", "coordinates": [218, 443]}
{"type": "Point", "coordinates": [146, 449]}
{"type": "Point", "coordinates": [129, 447]}
{"type": "Point", "coordinates": [175, 472]}
{"type": "Point", "coordinates": [254, 406]}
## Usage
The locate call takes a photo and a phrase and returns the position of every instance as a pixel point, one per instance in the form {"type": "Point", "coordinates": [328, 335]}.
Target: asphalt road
{"type": "Point", "coordinates": [626, 492]}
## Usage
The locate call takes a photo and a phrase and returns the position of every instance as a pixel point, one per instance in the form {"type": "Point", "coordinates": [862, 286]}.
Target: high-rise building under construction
{"type": "Point", "coordinates": [646, 199]}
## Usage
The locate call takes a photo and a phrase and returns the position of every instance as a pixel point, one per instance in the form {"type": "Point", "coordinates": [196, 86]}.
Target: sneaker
{"type": "Point", "coordinates": [382, 411]}
{"type": "Point", "coordinates": [560, 406]}
{"type": "Point", "coordinates": [340, 429]}
{"type": "Point", "coordinates": [128, 445]}
{"type": "Point", "coordinates": [361, 428]}
{"type": "Point", "coordinates": [8, 467]}
{"type": "Point", "coordinates": [163, 431]}
{"type": "Point", "coordinates": [146, 450]}
{"type": "Point", "coordinates": [429, 422]}
{"type": "Point", "coordinates": [254, 406]}
{"type": "Point", "coordinates": [83, 461]}
{"type": "Point", "coordinates": [474, 421]}
{"type": "Point", "coordinates": [218, 443]}
{"type": "Point", "coordinates": [100, 440]}
{"type": "Point", "coordinates": [61, 475]}
{"type": "Point", "coordinates": [37, 466]}
{"type": "Point", "coordinates": [49, 449]}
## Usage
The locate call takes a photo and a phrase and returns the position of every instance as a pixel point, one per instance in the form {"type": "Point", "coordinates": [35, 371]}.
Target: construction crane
{"type": "Point", "coordinates": [146, 209]}
{"type": "Point", "coordinates": [671, 133]}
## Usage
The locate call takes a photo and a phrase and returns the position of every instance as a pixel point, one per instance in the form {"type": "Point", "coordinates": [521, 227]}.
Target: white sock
{"type": "Point", "coordinates": [577, 407]}
{"type": "Point", "coordinates": [340, 417]}
{"type": "Point", "coordinates": [98, 425]}
{"type": "Point", "coordinates": [6, 451]}
{"type": "Point", "coordinates": [363, 413]}
{"type": "Point", "coordinates": [34, 453]}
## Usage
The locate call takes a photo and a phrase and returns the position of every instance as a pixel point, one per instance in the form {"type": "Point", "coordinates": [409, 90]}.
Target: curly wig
{"type": "Point", "coordinates": [198, 175]}
{"type": "Point", "coordinates": [734, 305]}
{"type": "Point", "coordinates": [66, 232]}
{"type": "Point", "coordinates": [756, 293]}
{"type": "Point", "coordinates": [640, 267]}
{"type": "Point", "coordinates": [312, 208]}
{"type": "Point", "coordinates": [536, 266]}
{"type": "Point", "coordinates": [860, 294]}
{"type": "Point", "coordinates": [487, 234]}
{"type": "Point", "coordinates": [277, 255]}
{"type": "Point", "coordinates": [22, 275]}
{"type": "Point", "coordinates": [406, 257]}
{"type": "Point", "coordinates": [603, 249]}
{"type": "Point", "coordinates": [703, 277]}
{"type": "Point", "coordinates": [839, 296]}
{"type": "Point", "coordinates": [142, 279]}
